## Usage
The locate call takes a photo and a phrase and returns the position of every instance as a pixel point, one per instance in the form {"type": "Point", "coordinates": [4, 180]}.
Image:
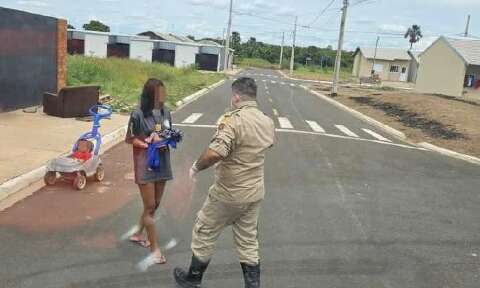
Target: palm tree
{"type": "Point", "coordinates": [415, 34]}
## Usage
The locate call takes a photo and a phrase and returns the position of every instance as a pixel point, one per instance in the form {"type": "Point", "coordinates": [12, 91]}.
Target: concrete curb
{"type": "Point", "coordinates": [303, 80]}
{"type": "Point", "coordinates": [20, 187]}
{"type": "Point", "coordinates": [361, 116]}
{"type": "Point", "coordinates": [191, 98]}
{"type": "Point", "coordinates": [450, 153]}
{"type": "Point", "coordinates": [25, 185]}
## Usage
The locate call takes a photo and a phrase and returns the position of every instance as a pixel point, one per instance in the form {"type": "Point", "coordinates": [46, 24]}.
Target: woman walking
{"type": "Point", "coordinates": [145, 122]}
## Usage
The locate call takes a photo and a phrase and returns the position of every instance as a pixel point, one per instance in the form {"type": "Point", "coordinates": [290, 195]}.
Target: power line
{"type": "Point", "coordinates": [260, 17]}
{"type": "Point", "coordinates": [322, 12]}
{"type": "Point", "coordinates": [363, 2]}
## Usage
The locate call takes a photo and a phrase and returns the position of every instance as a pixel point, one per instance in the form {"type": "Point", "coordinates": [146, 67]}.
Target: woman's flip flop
{"type": "Point", "coordinates": [142, 242]}
{"type": "Point", "coordinates": [159, 260]}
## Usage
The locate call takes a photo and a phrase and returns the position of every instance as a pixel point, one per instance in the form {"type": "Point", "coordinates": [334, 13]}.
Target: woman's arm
{"type": "Point", "coordinates": [133, 131]}
{"type": "Point", "coordinates": [137, 143]}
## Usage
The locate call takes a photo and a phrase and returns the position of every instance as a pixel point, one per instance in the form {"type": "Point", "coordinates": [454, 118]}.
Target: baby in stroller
{"type": "Point", "coordinates": [83, 151]}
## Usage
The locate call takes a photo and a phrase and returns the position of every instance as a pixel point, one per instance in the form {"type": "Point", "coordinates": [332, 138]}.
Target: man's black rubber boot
{"type": "Point", "coordinates": [192, 278]}
{"type": "Point", "coordinates": [251, 274]}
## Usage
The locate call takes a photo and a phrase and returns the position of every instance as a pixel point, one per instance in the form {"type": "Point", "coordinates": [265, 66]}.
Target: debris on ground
{"type": "Point", "coordinates": [412, 119]}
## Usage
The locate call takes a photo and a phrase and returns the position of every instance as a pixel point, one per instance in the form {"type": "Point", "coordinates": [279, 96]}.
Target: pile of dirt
{"type": "Point", "coordinates": [412, 119]}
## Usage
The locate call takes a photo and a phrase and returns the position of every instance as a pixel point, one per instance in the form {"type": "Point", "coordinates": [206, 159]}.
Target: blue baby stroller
{"type": "Point", "coordinates": [70, 168]}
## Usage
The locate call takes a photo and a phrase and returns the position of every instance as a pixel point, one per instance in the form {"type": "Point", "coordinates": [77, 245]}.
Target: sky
{"type": "Point", "coordinates": [266, 20]}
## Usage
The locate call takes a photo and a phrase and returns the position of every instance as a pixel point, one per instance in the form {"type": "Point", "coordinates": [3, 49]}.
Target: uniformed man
{"type": "Point", "coordinates": [239, 146]}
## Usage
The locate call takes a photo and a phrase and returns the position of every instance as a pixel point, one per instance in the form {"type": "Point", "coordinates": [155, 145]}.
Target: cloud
{"type": "Point", "coordinates": [33, 3]}
{"type": "Point", "coordinates": [220, 4]}
{"type": "Point", "coordinates": [392, 28]}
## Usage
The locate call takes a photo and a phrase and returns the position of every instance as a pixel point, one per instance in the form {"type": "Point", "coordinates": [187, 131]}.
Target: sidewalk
{"type": "Point", "coordinates": [30, 140]}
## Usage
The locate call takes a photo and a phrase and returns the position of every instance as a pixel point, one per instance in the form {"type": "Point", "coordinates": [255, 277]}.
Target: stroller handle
{"type": "Point", "coordinates": [101, 111]}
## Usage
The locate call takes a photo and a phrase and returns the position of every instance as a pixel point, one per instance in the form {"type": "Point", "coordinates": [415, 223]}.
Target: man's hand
{"type": "Point", "coordinates": [208, 159]}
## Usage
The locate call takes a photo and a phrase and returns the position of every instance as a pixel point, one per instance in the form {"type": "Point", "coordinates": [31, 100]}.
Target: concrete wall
{"type": "Point", "coordinates": [185, 55]}
{"type": "Point", "coordinates": [413, 71]}
{"type": "Point", "coordinates": [442, 71]}
{"type": "Point", "coordinates": [30, 60]}
{"type": "Point", "coordinates": [96, 45]}
{"type": "Point", "coordinates": [362, 67]}
{"type": "Point", "coordinates": [141, 50]}
{"type": "Point", "coordinates": [356, 64]}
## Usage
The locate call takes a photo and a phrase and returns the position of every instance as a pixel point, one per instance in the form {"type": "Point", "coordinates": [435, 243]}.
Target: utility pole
{"type": "Point", "coordinates": [338, 60]}
{"type": "Point", "coordinates": [224, 35]}
{"type": "Point", "coordinates": [227, 39]}
{"type": "Point", "coordinates": [281, 51]}
{"type": "Point", "coordinates": [292, 59]}
{"type": "Point", "coordinates": [375, 56]}
{"type": "Point", "coordinates": [468, 27]}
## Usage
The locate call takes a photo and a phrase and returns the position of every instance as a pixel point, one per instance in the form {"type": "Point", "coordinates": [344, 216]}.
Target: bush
{"type": "Point", "coordinates": [123, 79]}
{"type": "Point", "coordinates": [256, 62]}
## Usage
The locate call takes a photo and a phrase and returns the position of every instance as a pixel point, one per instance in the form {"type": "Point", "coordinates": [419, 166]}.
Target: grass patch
{"type": "Point", "coordinates": [124, 79]}
{"type": "Point", "coordinates": [319, 73]}
{"type": "Point", "coordinates": [256, 62]}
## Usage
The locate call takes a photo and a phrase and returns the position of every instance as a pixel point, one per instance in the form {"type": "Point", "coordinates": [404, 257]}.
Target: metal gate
{"type": "Point", "coordinates": [207, 62]}
{"type": "Point", "coordinates": [164, 56]}
{"type": "Point", "coordinates": [28, 54]}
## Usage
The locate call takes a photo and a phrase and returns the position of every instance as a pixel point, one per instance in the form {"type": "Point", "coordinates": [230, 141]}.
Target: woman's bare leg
{"type": "Point", "coordinates": [149, 206]}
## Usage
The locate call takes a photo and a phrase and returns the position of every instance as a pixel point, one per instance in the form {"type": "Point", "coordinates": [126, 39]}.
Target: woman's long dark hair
{"type": "Point", "coordinates": [147, 100]}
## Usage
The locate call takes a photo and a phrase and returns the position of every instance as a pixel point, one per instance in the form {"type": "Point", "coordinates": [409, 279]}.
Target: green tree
{"type": "Point", "coordinates": [70, 26]}
{"type": "Point", "coordinates": [191, 37]}
{"type": "Point", "coordinates": [414, 34]}
{"type": "Point", "coordinates": [95, 25]}
{"type": "Point", "coordinates": [236, 40]}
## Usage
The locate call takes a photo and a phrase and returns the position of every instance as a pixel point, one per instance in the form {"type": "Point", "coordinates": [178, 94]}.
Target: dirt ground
{"type": "Point", "coordinates": [442, 121]}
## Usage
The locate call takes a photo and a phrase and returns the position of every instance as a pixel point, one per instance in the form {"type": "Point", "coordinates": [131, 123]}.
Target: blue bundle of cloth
{"type": "Point", "coordinates": [170, 138]}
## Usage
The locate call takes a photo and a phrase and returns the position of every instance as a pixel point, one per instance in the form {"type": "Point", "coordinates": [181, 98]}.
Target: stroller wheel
{"type": "Point", "coordinates": [50, 178]}
{"type": "Point", "coordinates": [100, 174]}
{"type": "Point", "coordinates": [80, 181]}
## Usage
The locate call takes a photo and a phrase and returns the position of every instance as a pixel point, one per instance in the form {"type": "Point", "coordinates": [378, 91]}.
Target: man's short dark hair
{"type": "Point", "coordinates": [245, 87]}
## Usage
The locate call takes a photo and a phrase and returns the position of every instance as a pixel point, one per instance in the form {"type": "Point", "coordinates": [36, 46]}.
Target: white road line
{"type": "Point", "coordinates": [264, 80]}
{"type": "Point", "coordinates": [346, 131]}
{"type": "Point", "coordinates": [315, 127]}
{"type": "Point", "coordinates": [285, 123]}
{"type": "Point", "coordinates": [376, 135]}
{"type": "Point", "coordinates": [292, 85]}
{"type": "Point", "coordinates": [273, 82]}
{"type": "Point", "coordinates": [283, 83]}
{"type": "Point", "coordinates": [291, 131]}
{"type": "Point", "coordinates": [192, 118]}
{"type": "Point", "coordinates": [195, 125]}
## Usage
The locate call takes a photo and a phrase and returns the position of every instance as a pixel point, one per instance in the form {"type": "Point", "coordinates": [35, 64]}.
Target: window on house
{"type": "Point", "coordinates": [394, 69]}
{"type": "Point", "coordinates": [404, 70]}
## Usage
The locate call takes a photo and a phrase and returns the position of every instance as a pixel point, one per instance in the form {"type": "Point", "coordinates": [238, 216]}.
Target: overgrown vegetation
{"type": "Point", "coordinates": [123, 79]}
{"type": "Point", "coordinates": [256, 62]}
{"type": "Point", "coordinates": [312, 55]}
{"type": "Point", "coordinates": [314, 72]}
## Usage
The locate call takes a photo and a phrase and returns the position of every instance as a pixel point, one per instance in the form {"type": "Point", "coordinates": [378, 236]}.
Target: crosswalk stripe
{"type": "Point", "coordinates": [285, 123]}
{"type": "Point", "coordinates": [376, 135]}
{"type": "Point", "coordinates": [192, 118]}
{"type": "Point", "coordinates": [283, 83]}
{"type": "Point", "coordinates": [273, 82]}
{"type": "Point", "coordinates": [315, 127]}
{"type": "Point", "coordinates": [346, 131]}
{"type": "Point", "coordinates": [292, 85]}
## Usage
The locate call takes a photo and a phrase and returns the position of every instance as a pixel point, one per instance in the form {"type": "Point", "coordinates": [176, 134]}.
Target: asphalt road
{"type": "Point", "coordinates": [344, 208]}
